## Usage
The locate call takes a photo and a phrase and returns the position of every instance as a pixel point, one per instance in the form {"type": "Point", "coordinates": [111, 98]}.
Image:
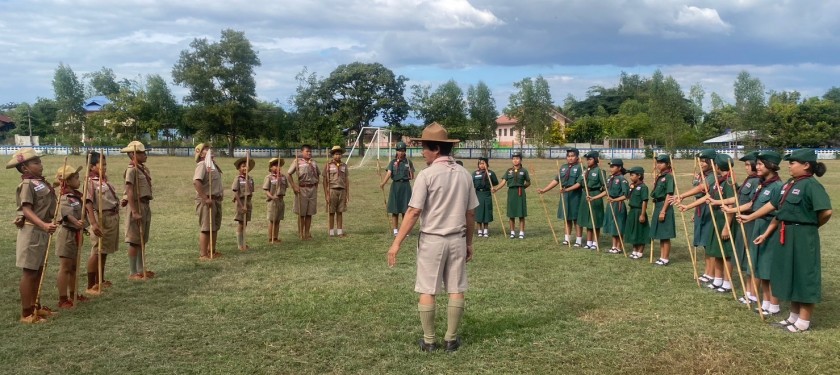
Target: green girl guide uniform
{"type": "Point", "coordinates": [617, 186]}
{"type": "Point", "coordinates": [517, 180]}
{"type": "Point", "coordinates": [567, 177]}
{"type": "Point", "coordinates": [718, 191]}
{"type": "Point", "coordinates": [402, 171]}
{"type": "Point", "coordinates": [745, 194]}
{"type": "Point", "coordinates": [662, 188]}
{"type": "Point", "coordinates": [483, 183]}
{"type": "Point", "coordinates": [637, 233]}
{"type": "Point", "coordinates": [769, 192]}
{"type": "Point", "coordinates": [594, 185]}
{"type": "Point", "coordinates": [796, 272]}
{"type": "Point", "coordinates": [702, 215]}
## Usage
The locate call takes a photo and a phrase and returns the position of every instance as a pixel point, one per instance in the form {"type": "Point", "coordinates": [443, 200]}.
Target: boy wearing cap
{"type": "Point", "coordinates": [68, 236]}
{"type": "Point", "coordinates": [616, 192]}
{"type": "Point", "coordinates": [517, 180]}
{"type": "Point", "coordinates": [637, 227]}
{"type": "Point", "coordinates": [36, 205]}
{"type": "Point", "coordinates": [401, 172]}
{"type": "Point", "coordinates": [275, 185]}
{"type": "Point", "coordinates": [209, 193]}
{"type": "Point", "coordinates": [243, 191]}
{"type": "Point", "coordinates": [102, 197]}
{"type": "Point", "coordinates": [138, 192]}
{"type": "Point", "coordinates": [483, 181]}
{"type": "Point", "coordinates": [567, 179]}
{"type": "Point", "coordinates": [663, 224]}
{"type": "Point", "coordinates": [336, 191]}
{"type": "Point", "coordinates": [306, 188]}
{"type": "Point", "coordinates": [591, 210]}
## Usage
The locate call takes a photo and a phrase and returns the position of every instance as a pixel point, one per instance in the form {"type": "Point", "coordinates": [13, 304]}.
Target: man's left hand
{"type": "Point", "coordinates": [469, 252]}
{"type": "Point", "coordinates": [392, 255]}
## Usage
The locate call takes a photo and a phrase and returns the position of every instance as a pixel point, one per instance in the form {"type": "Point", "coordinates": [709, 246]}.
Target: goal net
{"type": "Point", "coordinates": [376, 143]}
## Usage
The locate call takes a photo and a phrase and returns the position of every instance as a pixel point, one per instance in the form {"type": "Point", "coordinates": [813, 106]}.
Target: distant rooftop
{"type": "Point", "coordinates": [95, 103]}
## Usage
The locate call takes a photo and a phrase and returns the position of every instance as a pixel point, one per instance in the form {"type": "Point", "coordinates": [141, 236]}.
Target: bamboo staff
{"type": "Point", "coordinates": [84, 214]}
{"type": "Point", "coordinates": [382, 189]}
{"type": "Point", "coordinates": [139, 207]}
{"type": "Point", "coordinates": [49, 240]}
{"type": "Point", "coordinates": [731, 237]}
{"type": "Point", "coordinates": [717, 233]}
{"type": "Point", "coordinates": [99, 269]}
{"type": "Point", "coordinates": [246, 199]}
{"type": "Point", "coordinates": [493, 194]}
{"type": "Point", "coordinates": [691, 251]}
{"type": "Point", "coordinates": [327, 191]}
{"type": "Point", "coordinates": [746, 245]}
{"type": "Point", "coordinates": [273, 191]}
{"type": "Point", "coordinates": [589, 204]}
{"type": "Point", "coordinates": [653, 173]}
{"type": "Point", "coordinates": [563, 205]}
{"type": "Point", "coordinates": [297, 198]}
{"type": "Point", "coordinates": [615, 219]}
{"type": "Point", "coordinates": [210, 167]}
{"type": "Point", "coordinates": [547, 218]}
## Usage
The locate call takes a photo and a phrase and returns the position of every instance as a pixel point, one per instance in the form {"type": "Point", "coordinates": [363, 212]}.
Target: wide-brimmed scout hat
{"type": "Point", "coordinates": [240, 161]}
{"type": "Point", "coordinates": [337, 149]}
{"type": "Point", "coordinates": [134, 146]}
{"type": "Point", "coordinates": [66, 172]}
{"type": "Point", "coordinates": [401, 146]}
{"type": "Point", "coordinates": [435, 133]}
{"type": "Point", "coordinates": [637, 170]}
{"type": "Point", "coordinates": [592, 154]}
{"type": "Point", "coordinates": [722, 161]}
{"type": "Point", "coordinates": [802, 155]}
{"type": "Point", "coordinates": [771, 156]}
{"type": "Point", "coordinates": [276, 161]}
{"type": "Point", "coordinates": [707, 154]}
{"type": "Point", "coordinates": [617, 162]}
{"type": "Point", "coordinates": [663, 158]}
{"type": "Point", "coordinates": [22, 156]}
{"type": "Point", "coordinates": [750, 156]}
{"type": "Point", "coordinates": [200, 147]}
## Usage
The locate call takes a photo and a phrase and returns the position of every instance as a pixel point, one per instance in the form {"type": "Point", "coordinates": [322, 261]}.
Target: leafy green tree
{"type": "Point", "coordinates": [482, 109]}
{"type": "Point", "coordinates": [833, 94]}
{"type": "Point", "coordinates": [41, 115]}
{"type": "Point", "coordinates": [69, 99]}
{"type": "Point", "coordinates": [750, 105]}
{"type": "Point", "coordinates": [355, 94]}
{"type": "Point", "coordinates": [220, 77]}
{"type": "Point", "coordinates": [531, 106]}
{"type": "Point", "coordinates": [696, 94]}
{"type": "Point", "coordinates": [311, 117]}
{"type": "Point", "coordinates": [445, 105]}
{"type": "Point", "coordinates": [102, 82]}
{"type": "Point", "coordinates": [668, 110]}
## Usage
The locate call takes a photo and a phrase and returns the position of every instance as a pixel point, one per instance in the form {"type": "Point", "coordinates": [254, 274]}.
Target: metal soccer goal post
{"type": "Point", "coordinates": [378, 147]}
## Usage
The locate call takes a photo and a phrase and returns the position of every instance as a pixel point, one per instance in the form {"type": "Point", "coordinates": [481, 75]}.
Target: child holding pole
{"type": "Point", "coordinates": [69, 233]}
{"type": "Point", "coordinates": [663, 225]}
{"type": "Point", "coordinates": [517, 180]}
{"type": "Point", "coordinates": [637, 228]}
{"type": "Point", "coordinates": [243, 191]}
{"type": "Point", "coordinates": [103, 209]}
{"type": "Point", "coordinates": [275, 185]}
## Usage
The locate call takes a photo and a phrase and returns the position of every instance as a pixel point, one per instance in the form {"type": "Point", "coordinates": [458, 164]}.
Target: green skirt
{"type": "Point", "coordinates": [584, 220]}
{"type": "Point", "coordinates": [666, 229]}
{"type": "Point", "coordinates": [516, 203]}
{"type": "Point", "coordinates": [796, 273]}
{"type": "Point", "coordinates": [572, 202]}
{"type": "Point", "coordinates": [740, 250]}
{"type": "Point", "coordinates": [713, 248]}
{"type": "Point", "coordinates": [763, 254]}
{"type": "Point", "coordinates": [398, 197]}
{"type": "Point", "coordinates": [636, 233]}
{"type": "Point", "coordinates": [702, 226]}
{"type": "Point", "coordinates": [620, 210]}
{"type": "Point", "coordinates": [484, 211]}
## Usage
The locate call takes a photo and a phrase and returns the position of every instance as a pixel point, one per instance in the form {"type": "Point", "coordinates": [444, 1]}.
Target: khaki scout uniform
{"type": "Point", "coordinates": [67, 236]}
{"type": "Point", "coordinates": [31, 246]}
{"type": "Point", "coordinates": [143, 191]}
{"type": "Point", "coordinates": [308, 175]}
{"type": "Point", "coordinates": [244, 191]}
{"type": "Point", "coordinates": [205, 176]}
{"type": "Point", "coordinates": [110, 220]}
{"type": "Point", "coordinates": [276, 186]}
{"type": "Point", "coordinates": [337, 175]}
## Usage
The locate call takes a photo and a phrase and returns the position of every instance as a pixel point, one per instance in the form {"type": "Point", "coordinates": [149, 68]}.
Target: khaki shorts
{"type": "Point", "coordinates": [338, 200]}
{"type": "Point", "coordinates": [66, 242]}
{"type": "Point", "coordinates": [308, 200]}
{"type": "Point", "coordinates": [249, 208]}
{"type": "Point", "coordinates": [441, 260]}
{"type": "Point", "coordinates": [132, 227]}
{"type": "Point", "coordinates": [110, 235]}
{"type": "Point", "coordinates": [31, 247]}
{"type": "Point", "coordinates": [276, 210]}
{"type": "Point", "coordinates": [204, 215]}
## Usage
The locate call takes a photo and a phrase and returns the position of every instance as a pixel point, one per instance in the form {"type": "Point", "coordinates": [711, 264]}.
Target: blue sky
{"type": "Point", "coordinates": [574, 44]}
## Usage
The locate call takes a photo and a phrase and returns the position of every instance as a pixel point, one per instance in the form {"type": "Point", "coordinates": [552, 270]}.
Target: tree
{"type": "Point", "coordinates": [220, 77]}
{"type": "Point", "coordinates": [749, 103]}
{"type": "Point", "coordinates": [531, 106]}
{"type": "Point", "coordinates": [696, 95]}
{"type": "Point", "coordinates": [161, 111]}
{"type": "Point", "coordinates": [717, 102]}
{"type": "Point", "coordinates": [355, 94]}
{"type": "Point", "coordinates": [445, 105]}
{"type": "Point", "coordinates": [69, 99]}
{"type": "Point", "coordinates": [311, 118]}
{"type": "Point", "coordinates": [102, 82]}
{"type": "Point", "coordinates": [483, 114]}
{"type": "Point", "coordinates": [668, 110]}
{"type": "Point", "coordinates": [833, 94]}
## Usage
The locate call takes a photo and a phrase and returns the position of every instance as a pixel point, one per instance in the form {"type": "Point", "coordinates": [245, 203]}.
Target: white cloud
{"type": "Point", "coordinates": [705, 19]}
{"type": "Point", "coordinates": [308, 44]}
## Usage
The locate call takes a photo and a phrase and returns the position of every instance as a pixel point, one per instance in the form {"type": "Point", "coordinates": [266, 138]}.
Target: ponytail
{"type": "Point", "coordinates": [817, 168]}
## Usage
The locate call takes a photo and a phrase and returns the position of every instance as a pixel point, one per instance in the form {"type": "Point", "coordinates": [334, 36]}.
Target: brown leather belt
{"type": "Point", "coordinates": [307, 185]}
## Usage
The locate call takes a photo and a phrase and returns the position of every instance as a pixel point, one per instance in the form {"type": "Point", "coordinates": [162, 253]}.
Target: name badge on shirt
{"type": "Point", "coordinates": [521, 173]}
{"type": "Point", "coordinates": [748, 184]}
{"type": "Point", "coordinates": [639, 188]}
{"type": "Point", "coordinates": [594, 174]}
{"type": "Point", "coordinates": [795, 191]}
{"type": "Point", "coordinates": [767, 192]}
{"type": "Point", "coordinates": [39, 186]}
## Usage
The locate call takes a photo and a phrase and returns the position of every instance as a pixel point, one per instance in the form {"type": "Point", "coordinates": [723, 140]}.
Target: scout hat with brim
{"type": "Point", "coordinates": [707, 154]}
{"type": "Point", "coordinates": [663, 158]}
{"type": "Point", "coordinates": [722, 161]}
{"type": "Point", "coordinates": [802, 155]}
{"type": "Point", "coordinates": [66, 172]}
{"type": "Point", "coordinates": [592, 154]}
{"type": "Point", "coordinates": [22, 156]}
{"type": "Point", "coordinates": [134, 146]}
{"type": "Point", "coordinates": [435, 133]}
{"type": "Point", "coordinates": [771, 156]}
{"type": "Point", "coordinates": [279, 162]}
{"type": "Point", "coordinates": [240, 161]}
{"type": "Point", "coordinates": [617, 162]}
{"type": "Point", "coordinates": [200, 147]}
{"type": "Point", "coordinates": [637, 170]}
{"type": "Point", "coordinates": [750, 156]}
{"type": "Point", "coordinates": [336, 149]}
{"type": "Point", "coordinates": [401, 146]}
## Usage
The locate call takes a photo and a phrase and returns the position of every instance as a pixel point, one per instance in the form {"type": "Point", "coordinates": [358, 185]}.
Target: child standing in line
{"type": "Point", "coordinates": [615, 215]}
{"type": "Point", "coordinates": [663, 225]}
{"type": "Point", "coordinates": [592, 181]}
{"type": "Point", "coordinates": [275, 185]}
{"type": "Point", "coordinates": [336, 191]}
{"type": "Point", "coordinates": [401, 172]}
{"type": "Point", "coordinates": [517, 180]}
{"type": "Point", "coordinates": [483, 181]}
{"type": "Point", "coordinates": [637, 228]}
{"type": "Point", "coordinates": [69, 234]}
{"type": "Point", "coordinates": [702, 215]}
{"type": "Point", "coordinates": [243, 190]}
{"type": "Point", "coordinates": [106, 228]}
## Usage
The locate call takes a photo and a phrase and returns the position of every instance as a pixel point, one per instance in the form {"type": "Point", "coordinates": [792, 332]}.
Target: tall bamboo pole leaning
{"type": "Point", "coordinates": [251, 192]}
{"type": "Point", "coordinates": [273, 192]}
{"type": "Point", "coordinates": [563, 204]}
{"type": "Point", "coordinates": [297, 197]}
{"type": "Point", "coordinates": [84, 215]}
{"type": "Point", "coordinates": [209, 167]}
{"type": "Point", "coordinates": [717, 233]}
{"type": "Point", "coordinates": [326, 184]}
{"type": "Point", "coordinates": [612, 211]}
{"type": "Point", "coordinates": [545, 209]}
{"type": "Point", "coordinates": [139, 207]}
{"type": "Point", "coordinates": [655, 176]}
{"type": "Point", "coordinates": [49, 239]}
{"type": "Point", "coordinates": [99, 269]}
{"type": "Point", "coordinates": [691, 251]}
{"type": "Point", "coordinates": [731, 237]}
{"type": "Point", "coordinates": [382, 189]}
{"type": "Point", "coordinates": [746, 245]}
{"type": "Point", "coordinates": [493, 194]}
{"type": "Point", "coordinates": [589, 204]}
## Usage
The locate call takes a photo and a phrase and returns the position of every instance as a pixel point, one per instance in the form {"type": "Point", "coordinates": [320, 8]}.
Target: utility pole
{"type": "Point", "coordinates": [29, 118]}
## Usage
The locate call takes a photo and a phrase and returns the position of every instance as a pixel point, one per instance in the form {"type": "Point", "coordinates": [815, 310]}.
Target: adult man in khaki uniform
{"type": "Point", "coordinates": [337, 190]}
{"type": "Point", "coordinates": [444, 200]}
{"type": "Point", "coordinates": [209, 192]}
{"type": "Point", "coordinates": [306, 188]}
{"type": "Point", "coordinates": [138, 192]}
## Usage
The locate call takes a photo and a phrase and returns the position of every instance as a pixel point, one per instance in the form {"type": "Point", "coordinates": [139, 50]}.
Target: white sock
{"type": "Point", "coordinates": [396, 231]}
{"type": "Point", "coordinates": [340, 231]}
{"type": "Point", "coordinates": [578, 240]}
{"type": "Point", "coordinates": [773, 308]}
{"type": "Point", "coordinates": [793, 317]}
{"type": "Point", "coordinates": [588, 243]}
{"type": "Point", "coordinates": [332, 232]}
{"type": "Point", "coordinates": [486, 231]}
{"type": "Point", "coordinates": [765, 305]}
{"type": "Point", "coordinates": [512, 233]}
{"type": "Point", "coordinates": [521, 233]}
{"type": "Point", "coordinates": [727, 284]}
{"type": "Point", "coordinates": [718, 281]}
{"type": "Point", "coordinates": [567, 237]}
{"type": "Point", "coordinates": [663, 260]}
{"type": "Point", "coordinates": [802, 324]}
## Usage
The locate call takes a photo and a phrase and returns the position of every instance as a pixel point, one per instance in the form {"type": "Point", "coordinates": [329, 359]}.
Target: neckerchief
{"type": "Point", "coordinates": [105, 181]}
{"type": "Point", "coordinates": [569, 171]}
{"type": "Point", "coordinates": [249, 183]}
{"type": "Point", "coordinates": [661, 176]}
{"type": "Point", "coordinates": [41, 179]}
{"type": "Point", "coordinates": [762, 185]}
{"type": "Point", "coordinates": [752, 175]}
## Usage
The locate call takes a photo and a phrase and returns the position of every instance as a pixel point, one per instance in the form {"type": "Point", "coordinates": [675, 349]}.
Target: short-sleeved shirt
{"type": "Point", "coordinates": [594, 181]}
{"type": "Point", "coordinates": [241, 187]}
{"type": "Point", "coordinates": [96, 189]}
{"type": "Point", "coordinates": [480, 180]}
{"type": "Point", "coordinates": [747, 190]}
{"type": "Point", "coordinates": [143, 178]}
{"type": "Point", "coordinates": [568, 175]}
{"type": "Point", "coordinates": [70, 206]}
{"type": "Point", "coordinates": [39, 195]}
{"type": "Point", "coordinates": [307, 171]}
{"type": "Point", "coordinates": [663, 187]}
{"type": "Point", "coordinates": [721, 190]}
{"type": "Point", "coordinates": [802, 200]}
{"type": "Point", "coordinates": [698, 181]}
{"type": "Point", "coordinates": [617, 186]}
{"type": "Point", "coordinates": [768, 194]}
{"type": "Point", "coordinates": [401, 169]}
{"type": "Point", "coordinates": [637, 195]}
{"type": "Point", "coordinates": [444, 193]}
{"type": "Point", "coordinates": [517, 177]}
{"type": "Point", "coordinates": [205, 176]}
{"type": "Point", "coordinates": [275, 185]}
{"type": "Point", "coordinates": [337, 175]}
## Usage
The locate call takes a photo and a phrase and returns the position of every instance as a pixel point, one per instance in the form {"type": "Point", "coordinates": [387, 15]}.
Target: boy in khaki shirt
{"type": "Point", "coordinates": [243, 191]}
{"type": "Point", "coordinates": [138, 191]}
{"type": "Point", "coordinates": [106, 228]}
{"type": "Point", "coordinates": [207, 181]}
{"type": "Point", "coordinates": [336, 190]}
{"type": "Point", "coordinates": [275, 185]}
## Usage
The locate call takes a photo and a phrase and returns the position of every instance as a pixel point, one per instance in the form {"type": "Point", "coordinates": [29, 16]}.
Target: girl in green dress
{"type": "Point", "coordinates": [591, 210]}
{"type": "Point", "coordinates": [702, 216]}
{"type": "Point", "coordinates": [483, 180]}
{"type": "Point", "coordinates": [636, 228]}
{"type": "Point", "coordinates": [662, 226]}
{"type": "Point", "coordinates": [616, 214]}
{"type": "Point", "coordinates": [517, 180]}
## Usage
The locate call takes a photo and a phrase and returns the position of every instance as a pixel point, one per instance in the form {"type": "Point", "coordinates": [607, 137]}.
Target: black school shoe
{"type": "Point", "coordinates": [452, 346]}
{"type": "Point", "coordinates": [424, 347]}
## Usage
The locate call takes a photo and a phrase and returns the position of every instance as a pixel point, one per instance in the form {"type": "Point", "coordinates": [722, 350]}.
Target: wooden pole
{"type": "Point", "coordinates": [250, 186]}
{"type": "Point", "coordinates": [208, 161]}
{"type": "Point", "coordinates": [563, 206]}
{"type": "Point", "coordinates": [49, 239]}
{"type": "Point", "coordinates": [99, 266]}
{"type": "Point", "coordinates": [84, 214]}
{"type": "Point", "coordinates": [653, 173]}
{"type": "Point", "coordinates": [589, 204]}
{"type": "Point", "coordinates": [493, 195]}
{"type": "Point", "coordinates": [746, 247]}
{"type": "Point", "coordinates": [615, 219]}
{"type": "Point", "coordinates": [691, 251]}
{"type": "Point", "coordinates": [297, 198]}
{"type": "Point", "coordinates": [545, 209]}
{"type": "Point", "coordinates": [717, 233]}
{"type": "Point", "coordinates": [139, 207]}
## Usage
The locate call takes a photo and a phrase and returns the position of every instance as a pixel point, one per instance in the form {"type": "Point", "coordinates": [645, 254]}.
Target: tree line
{"type": "Point", "coordinates": [222, 105]}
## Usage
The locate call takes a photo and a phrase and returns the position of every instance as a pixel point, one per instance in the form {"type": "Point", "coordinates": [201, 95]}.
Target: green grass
{"type": "Point", "coordinates": [333, 306]}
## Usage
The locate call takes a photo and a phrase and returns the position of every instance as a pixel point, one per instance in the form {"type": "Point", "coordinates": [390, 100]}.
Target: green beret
{"type": "Point", "coordinates": [401, 146]}
{"type": "Point", "coordinates": [637, 170]}
{"type": "Point", "coordinates": [663, 158]}
{"type": "Point", "coordinates": [617, 162]}
{"type": "Point", "coordinates": [707, 154]}
{"type": "Point", "coordinates": [750, 156]}
{"type": "Point", "coordinates": [722, 162]}
{"type": "Point", "coordinates": [516, 154]}
{"type": "Point", "coordinates": [802, 155]}
{"type": "Point", "coordinates": [592, 154]}
{"type": "Point", "coordinates": [771, 156]}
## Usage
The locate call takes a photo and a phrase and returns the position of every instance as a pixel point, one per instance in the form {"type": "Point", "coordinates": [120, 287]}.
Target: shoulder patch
{"type": "Point", "coordinates": [767, 192]}
{"type": "Point", "coordinates": [795, 191]}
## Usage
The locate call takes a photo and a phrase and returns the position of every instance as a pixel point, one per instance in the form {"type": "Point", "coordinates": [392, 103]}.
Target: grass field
{"type": "Point", "coordinates": [333, 306]}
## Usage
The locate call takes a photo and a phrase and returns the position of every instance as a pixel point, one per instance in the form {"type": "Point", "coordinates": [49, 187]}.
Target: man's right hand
{"type": "Point", "coordinates": [97, 231]}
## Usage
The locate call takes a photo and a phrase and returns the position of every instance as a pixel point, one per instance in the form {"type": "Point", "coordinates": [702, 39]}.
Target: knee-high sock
{"type": "Point", "coordinates": [454, 312]}
{"type": "Point", "coordinates": [427, 320]}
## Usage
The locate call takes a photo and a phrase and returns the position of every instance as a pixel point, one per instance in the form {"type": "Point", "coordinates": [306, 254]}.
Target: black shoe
{"type": "Point", "coordinates": [452, 346]}
{"type": "Point", "coordinates": [427, 347]}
